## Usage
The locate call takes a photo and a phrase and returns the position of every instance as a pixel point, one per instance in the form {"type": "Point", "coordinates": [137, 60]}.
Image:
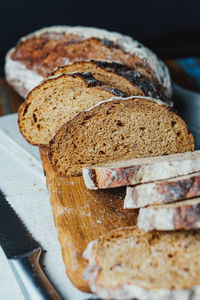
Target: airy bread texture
{"type": "Point", "coordinates": [130, 263]}
{"type": "Point", "coordinates": [116, 130]}
{"type": "Point", "coordinates": [164, 191]}
{"type": "Point", "coordinates": [57, 100]}
{"type": "Point", "coordinates": [140, 170]}
{"type": "Point", "coordinates": [117, 75]}
{"type": "Point", "coordinates": [179, 215]}
{"type": "Point", "coordinates": [40, 52]}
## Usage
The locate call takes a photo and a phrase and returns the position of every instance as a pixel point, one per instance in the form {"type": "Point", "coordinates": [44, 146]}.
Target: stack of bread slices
{"type": "Point", "coordinates": [107, 109]}
{"type": "Point", "coordinates": [165, 189]}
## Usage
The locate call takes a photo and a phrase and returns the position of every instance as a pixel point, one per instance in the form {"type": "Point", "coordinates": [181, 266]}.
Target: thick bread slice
{"type": "Point", "coordinates": [116, 130]}
{"type": "Point", "coordinates": [129, 263]}
{"type": "Point", "coordinates": [166, 191]}
{"type": "Point", "coordinates": [179, 215]}
{"type": "Point", "coordinates": [57, 100]}
{"type": "Point", "coordinates": [140, 170]}
{"type": "Point", "coordinates": [40, 52]}
{"type": "Point", "coordinates": [117, 75]}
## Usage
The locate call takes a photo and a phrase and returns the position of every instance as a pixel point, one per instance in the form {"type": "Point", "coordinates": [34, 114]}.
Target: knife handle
{"type": "Point", "coordinates": [31, 278]}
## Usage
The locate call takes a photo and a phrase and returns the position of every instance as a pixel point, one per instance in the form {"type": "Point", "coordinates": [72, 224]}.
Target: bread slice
{"type": "Point", "coordinates": [40, 52]}
{"type": "Point", "coordinates": [173, 216]}
{"type": "Point", "coordinates": [140, 170]}
{"type": "Point", "coordinates": [57, 100]}
{"type": "Point", "coordinates": [129, 263]}
{"type": "Point", "coordinates": [116, 130]}
{"type": "Point", "coordinates": [161, 192]}
{"type": "Point", "coordinates": [117, 75]}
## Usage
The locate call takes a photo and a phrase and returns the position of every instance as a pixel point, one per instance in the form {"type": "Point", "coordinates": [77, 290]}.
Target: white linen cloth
{"type": "Point", "coordinates": [23, 182]}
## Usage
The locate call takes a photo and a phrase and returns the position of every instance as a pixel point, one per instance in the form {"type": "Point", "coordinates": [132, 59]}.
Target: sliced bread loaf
{"type": "Point", "coordinates": [128, 263]}
{"type": "Point", "coordinates": [40, 52]}
{"type": "Point", "coordinates": [139, 170]}
{"type": "Point", "coordinates": [57, 100]}
{"type": "Point", "coordinates": [116, 130]}
{"type": "Point", "coordinates": [179, 215]}
{"type": "Point", "coordinates": [164, 191]}
{"type": "Point", "coordinates": [117, 75]}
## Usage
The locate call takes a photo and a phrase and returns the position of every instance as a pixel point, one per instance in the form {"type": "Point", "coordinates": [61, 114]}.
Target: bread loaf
{"type": "Point", "coordinates": [164, 191]}
{"type": "Point", "coordinates": [173, 216]}
{"type": "Point", "coordinates": [117, 75]}
{"type": "Point", "coordinates": [140, 170]}
{"type": "Point", "coordinates": [128, 263]}
{"type": "Point", "coordinates": [118, 130]}
{"type": "Point", "coordinates": [57, 100]}
{"type": "Point", "coordinates": [40, 52]}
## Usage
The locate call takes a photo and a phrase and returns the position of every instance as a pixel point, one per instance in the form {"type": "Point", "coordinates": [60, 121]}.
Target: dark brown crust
{"type": "Point", "coordinates": [148, 87]}
{"type": "Point", "coordinates": [178, 190]}
{"type": "Point", "coordinates": [86, 78]}
{"type": "Point", "coordinates": [116, 92]}
{"type": "Point", "coordinates": [84, 115]}
{"type": "Point", "coordinates": [91, 81]}
{"type": "Point", "coordinates": [187, 217]}
{"type": "Point", "coordinates": [51, 49]}
{"type": "Point", "coordinates": [171, 191]}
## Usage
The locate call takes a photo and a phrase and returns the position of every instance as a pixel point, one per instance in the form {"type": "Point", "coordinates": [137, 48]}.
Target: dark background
{"type": "Point", "coordinates": [170, 28]}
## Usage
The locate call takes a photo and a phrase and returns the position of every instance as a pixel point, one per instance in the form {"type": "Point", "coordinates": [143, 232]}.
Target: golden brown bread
{"type": "Point", "coordinates": [129, 263]}
{"type": "Point", "coordinates": [40, 52]}
{"type": "Point", "coordinates": [56, 100]}
{"type": "Point", "coordinates": [118, 130]}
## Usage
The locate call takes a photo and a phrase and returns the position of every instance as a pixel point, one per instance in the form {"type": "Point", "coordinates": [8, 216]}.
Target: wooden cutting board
{"type": "Point", "coordinates": [81, 215]}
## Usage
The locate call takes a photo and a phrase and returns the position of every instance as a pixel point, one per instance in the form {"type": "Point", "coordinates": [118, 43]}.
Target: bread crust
{"type": "Point", "coordinates": [185, 217]}
{"type": "Point", "coordinates": [110, 176]}
{"type": "Point", "coordinates": [87, 80]}
{"type": "Point", "coordinates": [48, 48]}
{"type": "Point", "coordinates": [129, 76]}
{"type": "Point", "coordinates": [167, 191]}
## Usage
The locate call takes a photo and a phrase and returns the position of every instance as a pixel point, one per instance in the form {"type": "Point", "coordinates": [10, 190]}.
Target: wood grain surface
{"type": "Point", "coordinates": [81, 216]}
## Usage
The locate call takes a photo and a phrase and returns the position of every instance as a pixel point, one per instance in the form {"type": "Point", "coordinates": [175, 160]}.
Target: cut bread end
{"type": "Point", "coordinates": [173, 216]}
{"type": "Point", "coordinates": [140, 170]}
{"type": "Point", "coordinates": [57, 100]}
{"type": "Point", "coordinates": [130, 263]}
{"type": "Point", "coordinates": [118, 75]}
{"type": "Point", "coordinates": [163, 191]}
{"type": "Point", "coordinates": [118, 130]}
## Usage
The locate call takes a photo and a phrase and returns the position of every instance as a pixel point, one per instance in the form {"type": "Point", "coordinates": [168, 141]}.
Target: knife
{"type": "Point", "coordinates": [23, 254]}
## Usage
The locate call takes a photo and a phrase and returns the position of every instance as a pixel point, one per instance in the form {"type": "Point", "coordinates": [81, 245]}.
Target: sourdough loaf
{"type": "Point", "coordinates": [164, 191]}
{"type": "Point", "coordinates": [129, 263]}
{"type": "Point", "coordinates": [140, 170]}
{"type": "Point", "coordinates": [115, 130]}
{"type": "Point", "coordinates": [56, 100]}
{"type": "Point", "coordinates": [40, 52]}
{"type": "Point", "coordinates": [173, 216]}
{"type": "Point", "coordinates": [117, 75]}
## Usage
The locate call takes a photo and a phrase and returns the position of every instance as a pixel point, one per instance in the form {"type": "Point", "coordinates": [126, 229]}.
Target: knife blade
{"type": "Point", "coordinates": [23, 254]}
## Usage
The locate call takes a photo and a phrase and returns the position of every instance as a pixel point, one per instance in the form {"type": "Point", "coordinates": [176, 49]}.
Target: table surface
{"type": "Point", "coordinates": [23, 182]}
